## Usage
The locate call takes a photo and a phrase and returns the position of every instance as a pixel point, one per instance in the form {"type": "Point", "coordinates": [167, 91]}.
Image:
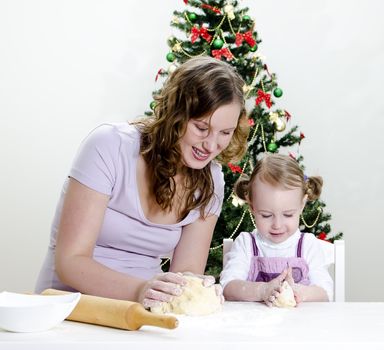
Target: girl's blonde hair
{"type": "Point", "coordinates": [195, 89]}
{"type": "Point", "coordinates": [279, 170]}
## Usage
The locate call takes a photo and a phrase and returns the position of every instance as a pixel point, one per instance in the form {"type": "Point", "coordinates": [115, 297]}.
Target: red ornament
{"type": "Point", "coordinates": [262, 96]}
{"type": "Point", "coordinates": [240, 37]}
{"type": "Point", "coordinates": [158, 73]}
{"type": "Point", "coordinates": [222, 52]}
{"type": "Point", "coordinates": [266, 68]}
{"type": "Point", "coordinates": [302, 136]}
{"type": "Point", "coordinates": [234, 168]}
{"type": "Point", "coordinates": [322, 236]}
{"type": "Point", "coordinates": [287, 116]}
{"type": "Point", "coordinates": [203, 32]}
{"type": "Point", "coordinates": [186, 2]}
{"type": "Point", "coordinates": [251, 122]}
{"type": "Point", "coordinates": [212, 8]}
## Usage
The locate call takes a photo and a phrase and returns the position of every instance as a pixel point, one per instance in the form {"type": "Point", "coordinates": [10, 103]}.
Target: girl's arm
{"type": "Point", "coordinates": [81, 220]}
{"type": "Point", "coordinates": [239, 290]}
{"type": "Point", "coordinates": [309, 293]}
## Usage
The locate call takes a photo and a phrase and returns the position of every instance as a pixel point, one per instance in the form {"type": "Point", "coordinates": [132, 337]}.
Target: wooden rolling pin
{"type": "Point", "coordinates": [114, 313]}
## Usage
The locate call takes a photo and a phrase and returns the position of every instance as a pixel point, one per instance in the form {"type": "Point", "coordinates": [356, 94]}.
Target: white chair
{"type": "Point", "coordinates": [335, 255]}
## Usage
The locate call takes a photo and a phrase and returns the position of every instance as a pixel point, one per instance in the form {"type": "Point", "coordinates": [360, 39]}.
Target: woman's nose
{"type": "Point", "coordinates": [210, 142]}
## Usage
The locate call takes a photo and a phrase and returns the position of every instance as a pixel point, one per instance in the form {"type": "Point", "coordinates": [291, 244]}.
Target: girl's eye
{"type": "Point", "coordinates": [266, 216]}
{"type": "Point", "coordinates": [288, 215]}
{"type": "Point", "coordinates": [227, 132]}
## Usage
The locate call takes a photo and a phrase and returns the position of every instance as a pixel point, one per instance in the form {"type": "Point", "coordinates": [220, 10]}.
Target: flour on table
{"type": "Point", "coordinates": [196, 300]}
{"type": "Point", "coordinates": [286, 298]}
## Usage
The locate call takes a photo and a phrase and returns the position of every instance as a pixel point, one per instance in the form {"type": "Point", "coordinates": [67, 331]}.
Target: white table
{"type": "Point", "coordinates": [310, 326]}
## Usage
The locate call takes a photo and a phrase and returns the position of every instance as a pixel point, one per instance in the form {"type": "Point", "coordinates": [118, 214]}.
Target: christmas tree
{"type": "Point", "coordinates": [224, 30]}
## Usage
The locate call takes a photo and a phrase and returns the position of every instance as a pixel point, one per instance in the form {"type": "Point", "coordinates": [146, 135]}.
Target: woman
{"type": "Point", "coordinates": [139, 191]}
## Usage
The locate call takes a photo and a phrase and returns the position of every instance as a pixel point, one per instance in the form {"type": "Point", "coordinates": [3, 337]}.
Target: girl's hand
{"type": "Point", "coordinates": [273, 288]}
{"type": "Point", "coordinates": [161, 288]}
{"type": "Point", "coordinates": [297, 290]}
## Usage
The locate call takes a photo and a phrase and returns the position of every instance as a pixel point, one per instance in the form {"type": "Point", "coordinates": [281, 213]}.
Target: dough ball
{"type": "Point", "coordinates": [196, 300]}
{"type": "Point", "coordinates": [286, 298]}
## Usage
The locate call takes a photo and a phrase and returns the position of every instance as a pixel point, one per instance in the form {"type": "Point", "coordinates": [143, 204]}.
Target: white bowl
{"type": "Point", "coordinates": [34, 313]}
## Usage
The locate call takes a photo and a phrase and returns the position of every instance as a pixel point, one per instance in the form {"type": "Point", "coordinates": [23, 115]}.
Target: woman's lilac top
{"type": "Point", "coordinates": [128, 242]}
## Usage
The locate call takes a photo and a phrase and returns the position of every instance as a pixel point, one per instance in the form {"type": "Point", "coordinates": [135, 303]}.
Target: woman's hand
{"type": "Point", "coordinates": [161, 288]}
{"type": "Point", "coordinates": [209, 281]}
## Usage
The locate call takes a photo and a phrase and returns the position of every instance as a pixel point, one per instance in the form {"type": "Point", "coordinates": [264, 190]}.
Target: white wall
{"type": "Point", "coordinates": [66, 66]}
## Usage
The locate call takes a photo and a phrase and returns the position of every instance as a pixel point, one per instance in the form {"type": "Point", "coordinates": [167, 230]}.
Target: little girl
{"type": "Point", "coordinates": [277, 251]}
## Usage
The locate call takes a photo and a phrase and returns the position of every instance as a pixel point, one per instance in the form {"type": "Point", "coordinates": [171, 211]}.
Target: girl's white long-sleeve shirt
{"type": "Point", "coordinates": [239, 257]}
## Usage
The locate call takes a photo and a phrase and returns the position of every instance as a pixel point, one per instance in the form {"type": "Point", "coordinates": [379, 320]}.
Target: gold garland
{"type": "Point", "coordinates": [320, 210]}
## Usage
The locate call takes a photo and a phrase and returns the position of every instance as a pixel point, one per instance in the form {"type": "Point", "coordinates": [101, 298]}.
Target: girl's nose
{"type": "Point", "coordinates": [276, 222]}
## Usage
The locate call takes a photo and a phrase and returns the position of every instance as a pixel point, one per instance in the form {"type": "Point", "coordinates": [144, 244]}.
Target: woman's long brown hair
{"type": "Point", "coordinates": [196, 89]}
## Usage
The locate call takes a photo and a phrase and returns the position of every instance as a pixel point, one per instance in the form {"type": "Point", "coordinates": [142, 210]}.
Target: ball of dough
{"type": "Point", "coordinates": [196, 300]}
{"type": "Point", "coordinates": [286, 298]}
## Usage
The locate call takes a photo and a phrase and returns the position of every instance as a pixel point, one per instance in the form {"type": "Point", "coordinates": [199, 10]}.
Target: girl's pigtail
{"type": "Point", "coordinates": [314, 185]}
{"type": "Point", "coordinates": [242, 187]}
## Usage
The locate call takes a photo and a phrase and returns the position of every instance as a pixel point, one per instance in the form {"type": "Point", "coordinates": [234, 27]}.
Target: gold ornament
{"type": "Point", "coordinates": [274, 117]}
{"type": "Point", "coordinates": [172, 67]}
{"type": "Point", "coordinates": [236, 201]}
{"type": "Point", "coordinates": [177, 47]}
{"type": "Point", "coordinates": [228, 9]}
{"type": "Point", "coordinates": [175, 20]}
{"type": "Point", "coordinates": [247, 88]}
{"type": "Point", "coordinates": [280, 124]}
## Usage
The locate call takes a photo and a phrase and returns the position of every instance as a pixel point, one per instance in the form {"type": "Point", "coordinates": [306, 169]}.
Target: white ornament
{"type": "Point", "coordinates": [228, 9]}
{"type": "Point", "coordinates": [236, 201]}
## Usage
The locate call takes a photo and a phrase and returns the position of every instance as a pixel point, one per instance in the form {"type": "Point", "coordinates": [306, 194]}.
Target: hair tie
{"type": "Point", "coordinates": [305, 178]}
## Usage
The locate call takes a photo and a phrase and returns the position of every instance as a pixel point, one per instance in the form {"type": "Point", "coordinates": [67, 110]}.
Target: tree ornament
{"type": "Point", "coordinates": [253, 48]}
{"type": "Point", "coordinates": [280, 124]}
{"type": "Point", "coordinates": [229, 10]}
{"type": "Point", "coordinates": [192, 16]}
{"type": "Point", "coordinates": [170, 57]}
{"type": "Point", "coordinates": [246, 18]}
{"type": "Point", "coordinates": [272, 147]}
{"type": "Point", "coordinates": [277, 92]}
{"type": "Point", "coordinates": [152, 105]}
{"type": "Point", "coordinates": [217, 44]}
{"type": "Point", "coordinates": [172, 67]}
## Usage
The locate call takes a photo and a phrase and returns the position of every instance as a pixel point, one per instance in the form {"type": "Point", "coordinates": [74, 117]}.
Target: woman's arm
{"type": "Point", "coordinates": [191, 253]}
{"type": "Point", "coordinates": [81, 220]}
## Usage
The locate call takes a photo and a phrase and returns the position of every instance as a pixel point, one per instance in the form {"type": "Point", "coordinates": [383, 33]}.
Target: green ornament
{"type": "Point", "coordinates": [152, 105]}
{"type": "Point", "coordinates": [253, 48]}
{"type": "Point", "coordinates": [277, 92]}
{"type": "Point", "coordinates": [272, 147]}
{"type": "Point", "coordinates": [192, 16]}
{"type": "Point", "coordinates": [246, 18]}
{"type": "Point", "coordinates": [217, 44]}
{"type": "Point", "coordinates": [170, 57]}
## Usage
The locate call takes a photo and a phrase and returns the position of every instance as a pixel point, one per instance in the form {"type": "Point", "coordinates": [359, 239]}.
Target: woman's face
{"type": "Point", "coordinates": [205, 138]}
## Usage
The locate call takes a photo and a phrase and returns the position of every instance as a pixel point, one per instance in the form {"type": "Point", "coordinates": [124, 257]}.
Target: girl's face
{"type": "Point", "coordinates": [276, 210]}
{"type": "Point", "coordinates": [205, 138]}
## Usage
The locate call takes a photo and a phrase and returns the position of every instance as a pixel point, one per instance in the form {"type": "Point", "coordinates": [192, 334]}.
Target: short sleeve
{"type": "Point", "coordinates": [216, 203]}
{"type": "Point", "coordinates": [96, 161]}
